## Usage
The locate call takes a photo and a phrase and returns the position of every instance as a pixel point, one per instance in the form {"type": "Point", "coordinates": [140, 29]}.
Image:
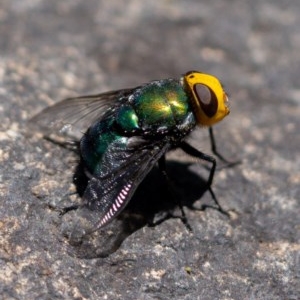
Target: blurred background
{"type": "Point", "coordinates": [50, 50]}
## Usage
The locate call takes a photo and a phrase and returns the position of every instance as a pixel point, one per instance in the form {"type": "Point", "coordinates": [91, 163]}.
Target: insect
{"type": "Point", "coordinates": [130, 130]}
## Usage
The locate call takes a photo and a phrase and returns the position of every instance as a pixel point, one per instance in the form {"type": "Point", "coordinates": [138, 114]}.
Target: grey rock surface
{"type": "Point", "coordinates": [56, 49]}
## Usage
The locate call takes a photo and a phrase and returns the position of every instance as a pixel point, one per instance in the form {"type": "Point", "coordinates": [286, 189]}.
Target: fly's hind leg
{"type": "Point", "coordinates": [171, 190]}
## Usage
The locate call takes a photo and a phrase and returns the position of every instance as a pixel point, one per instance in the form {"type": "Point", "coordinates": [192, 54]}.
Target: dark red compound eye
{"type": "Point", "coordinates": [207, 99]}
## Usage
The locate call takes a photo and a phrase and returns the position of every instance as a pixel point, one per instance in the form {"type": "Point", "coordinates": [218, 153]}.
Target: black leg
{"type": "Point", "coordinates": [214, 147]}
{"type": "Point", "coordinates": [196, 153]}
{"type": "Point", "coordinates": [162, 168]}
{"type": "Point", "coordinates": [215, 151]}
{"type": "Point", "coordinates": [162, 165]}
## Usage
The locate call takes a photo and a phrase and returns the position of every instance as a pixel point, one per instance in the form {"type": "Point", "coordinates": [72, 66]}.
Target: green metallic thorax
{"type": "Point", "coordinates": [160, 104]}
{"type": "Point", "coordinates": [160, 109]}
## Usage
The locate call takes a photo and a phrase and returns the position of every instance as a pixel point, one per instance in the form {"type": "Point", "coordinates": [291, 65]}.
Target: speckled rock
{"type": "Point", "coordinates": [56, 49]}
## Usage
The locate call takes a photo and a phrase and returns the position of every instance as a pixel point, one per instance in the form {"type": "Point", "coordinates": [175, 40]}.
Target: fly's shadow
{"type": "Point", "coordinates": [153, 202]}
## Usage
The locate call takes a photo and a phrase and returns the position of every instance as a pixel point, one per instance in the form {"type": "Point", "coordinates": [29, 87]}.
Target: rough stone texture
{"type": "Point", "coordinates": [54, 49]}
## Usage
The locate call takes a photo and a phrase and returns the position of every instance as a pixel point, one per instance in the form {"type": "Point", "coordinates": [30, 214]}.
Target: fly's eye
{"type": "Point", "coordinates": [203, 93]}
{"type": "Point", "coordinates": [207, 99]}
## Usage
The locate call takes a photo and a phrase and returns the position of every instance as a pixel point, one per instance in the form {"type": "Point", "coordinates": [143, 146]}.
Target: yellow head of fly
{"type": "Point", "coordinates": [208, 97]}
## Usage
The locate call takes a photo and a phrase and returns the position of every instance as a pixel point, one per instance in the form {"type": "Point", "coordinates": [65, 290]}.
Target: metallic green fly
{"type": "Point", "coordinates": [128, 131]}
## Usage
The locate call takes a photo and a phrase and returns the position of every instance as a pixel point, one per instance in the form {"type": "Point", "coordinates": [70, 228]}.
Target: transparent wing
{"type": "Point", "coordinates": [110, 192]}
{"type": "Point", "coordinates": [73, 116]}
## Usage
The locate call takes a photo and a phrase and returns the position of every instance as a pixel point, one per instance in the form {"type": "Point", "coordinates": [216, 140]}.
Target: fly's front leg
{"type": "Point", "coordinates": [215, 151]}
{"type": "Point", "coordinates": [214, 147]}
{"type": "Point", "coordinates": [198, 154]}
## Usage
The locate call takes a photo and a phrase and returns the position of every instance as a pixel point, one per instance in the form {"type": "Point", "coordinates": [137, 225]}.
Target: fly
{"type": "Point", "coordinates": [128, 131]}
